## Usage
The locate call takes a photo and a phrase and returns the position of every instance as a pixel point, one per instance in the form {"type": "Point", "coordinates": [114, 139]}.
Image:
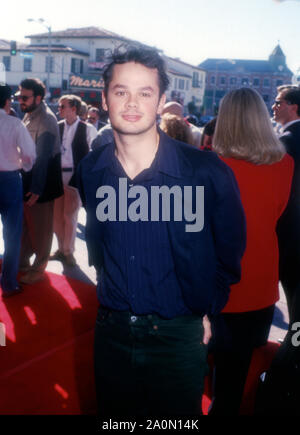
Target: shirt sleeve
{"type": "Point", "coordinates": [26, 147]}
{"type": "Point", "coordinates": [91, 133]}
{"type": "Point", "coordinates": [229, 229]}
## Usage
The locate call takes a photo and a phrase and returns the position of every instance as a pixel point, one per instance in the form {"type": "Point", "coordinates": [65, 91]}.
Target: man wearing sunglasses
{"type": "Point", "coordinates": [286, 111]}
{"type": "Point", "coordinates": [279, 393]}
{"type": "Point", "coordinates": [76, 138]}
{"type": "Point", "coordinates": [42, 184]}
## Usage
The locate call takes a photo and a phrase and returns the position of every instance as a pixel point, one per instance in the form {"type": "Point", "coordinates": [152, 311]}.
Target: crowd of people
{"type": "Point", "coordinates": [168, 290]}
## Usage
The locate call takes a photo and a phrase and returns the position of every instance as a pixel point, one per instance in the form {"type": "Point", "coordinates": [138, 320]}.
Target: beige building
{"type": "Point", "coordinates": [77, 57]}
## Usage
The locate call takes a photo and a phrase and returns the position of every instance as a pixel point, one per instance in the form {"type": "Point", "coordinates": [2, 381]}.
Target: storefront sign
{"type": "Point", "coordinates": [86, 82]}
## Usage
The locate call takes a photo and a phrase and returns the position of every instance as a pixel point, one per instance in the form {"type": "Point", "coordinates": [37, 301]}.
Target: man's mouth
{"type": "Point", "coordinates": [131, 118]}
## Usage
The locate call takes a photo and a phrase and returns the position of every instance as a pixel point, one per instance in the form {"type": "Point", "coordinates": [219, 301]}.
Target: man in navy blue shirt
{"type": "Point", "coordinates": [166, 232]}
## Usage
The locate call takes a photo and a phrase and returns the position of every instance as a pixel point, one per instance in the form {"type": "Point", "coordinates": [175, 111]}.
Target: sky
{"type": "Point", "coordinates": [192, 30]}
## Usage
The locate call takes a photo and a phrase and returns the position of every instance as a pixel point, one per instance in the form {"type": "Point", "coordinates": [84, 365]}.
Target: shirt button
{"type": "Point", "coordinates": [132, 258]}
{"type": "Point", "coordinates": [133, 319]}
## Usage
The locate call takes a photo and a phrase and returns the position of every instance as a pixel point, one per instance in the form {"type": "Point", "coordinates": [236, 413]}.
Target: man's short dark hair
{"type": "Point", "coordinates": [5, 94]}
{"type": "Point", "coordinates": [35, 85]}
{"type": "Point", "coordinates": [292, 96]}
{"type": "Point", "coordinates": [149, 57]}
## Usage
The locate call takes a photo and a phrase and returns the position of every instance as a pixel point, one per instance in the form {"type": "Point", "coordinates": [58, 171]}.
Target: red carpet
{"type": "Point", "coordinates": [46, 366]}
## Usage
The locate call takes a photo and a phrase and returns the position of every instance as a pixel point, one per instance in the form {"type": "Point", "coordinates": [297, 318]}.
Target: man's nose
{"type": "Point", "coordinates": [132, 100]}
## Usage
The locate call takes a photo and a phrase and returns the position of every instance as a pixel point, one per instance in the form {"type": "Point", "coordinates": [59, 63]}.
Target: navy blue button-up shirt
{"type": "Point", "coordinates": [163, 266]}
{"type": "Point", "coordinates": [138, 272]}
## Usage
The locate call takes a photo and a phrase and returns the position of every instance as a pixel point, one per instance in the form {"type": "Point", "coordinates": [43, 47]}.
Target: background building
{"type": "Point", "coordinates": [76, 58]}
{"type": "Point", "coordinates": [32, 60]}
{"type": "Point", "coordinates": [223, 75]}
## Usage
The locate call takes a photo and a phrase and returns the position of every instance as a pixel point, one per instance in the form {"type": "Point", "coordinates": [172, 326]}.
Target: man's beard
{"type": "Point", "coordinates": [29, 108]}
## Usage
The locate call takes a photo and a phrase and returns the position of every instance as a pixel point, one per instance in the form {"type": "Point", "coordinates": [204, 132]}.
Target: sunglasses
{"type": "Point", "coordinates": [279, 102]}
{"type": "Point", "coordinates": [24, 97]}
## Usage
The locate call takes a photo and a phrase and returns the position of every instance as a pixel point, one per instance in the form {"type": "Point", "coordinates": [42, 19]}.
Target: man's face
{"type": "Point", "coordinates": [92, 117]}
{"type": "Point", "coordinates": [28, 102]}
{"type": "Point", "coordinates": [65, 110]}
{"type": "Point", "coordinates": [132, 99]}
{"type": "Point", "coordinates": [282, 111]}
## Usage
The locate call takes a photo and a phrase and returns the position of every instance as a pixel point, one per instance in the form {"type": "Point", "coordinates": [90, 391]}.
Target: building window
{"type": "Point", "coordinates": [233, 80]}
{"type": "Point", "coordinates": [245, 81]}
{"type": "Point", "coordinates": [6, 62]}
{"type": "Point", "coordinates": [175, 84]}
{"type": "Point", "coordinates": [181, 84]}
{"type": "Point", "coordinates": [266, 83]}
{"type": "Point", "coordinates": [102, 54]}
{"type": "Point", "coordinates": [256, 82]}
{"type": "Point", "coordinates": [196, 80]}
{"type": "Point", "coordinates": [212, 80]}
{"type": "Point", "coordinates": [76, 65]}
{"type": "Point", "coordinates": [279, 82]}
{"type": "Point", "coordinates": [27, 64]}
{"type": "Point", "coordinates": [222, 80]}
{"type": "Point", "coordinates": [187, 85]}
{"type": "Point", "coordinates": [51, 64]}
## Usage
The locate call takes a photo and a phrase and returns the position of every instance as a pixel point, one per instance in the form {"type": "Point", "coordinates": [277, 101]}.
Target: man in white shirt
{"type": "Point", "coordinates": [76, 139]}
{"type": "Point", "coordinates": [17, 151]}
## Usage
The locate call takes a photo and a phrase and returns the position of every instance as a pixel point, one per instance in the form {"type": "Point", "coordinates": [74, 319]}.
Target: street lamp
{"type": "Point", "coordinates": [48, 27]}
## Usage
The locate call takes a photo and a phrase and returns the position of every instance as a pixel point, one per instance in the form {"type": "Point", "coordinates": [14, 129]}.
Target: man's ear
{"type": "Point", "coordinates": [295, 109]}
{"type": "Point", "coordinates": [38, 99]}
{"type": "Point", "coordinates": [104, 103]}
{"type": "Point", "coordinates": [161, 104]}
{"type": "Point", "coordinates": [7, 106]}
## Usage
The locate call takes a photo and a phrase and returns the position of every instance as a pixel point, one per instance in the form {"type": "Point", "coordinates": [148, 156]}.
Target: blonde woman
{"type": "Point", "coordinates": [245, 141]}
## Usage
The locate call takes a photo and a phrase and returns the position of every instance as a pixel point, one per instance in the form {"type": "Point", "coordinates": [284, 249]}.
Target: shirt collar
{"type": "Point", "coordinates": [166, 159]}
{"type": "Point", "coordinates": [2, 112]}
{"type": "Point", "coordinates": [289, 123]}
{"type": "Point", "coordinates": [74, 123]}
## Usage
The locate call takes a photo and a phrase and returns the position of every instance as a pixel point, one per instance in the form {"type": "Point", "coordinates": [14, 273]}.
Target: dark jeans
{"type": "Point", "coordinates": [236, 335]}
{"type": "Point", "coordinates": [146, 365]}
{"type": "Point", "coordinates": [11, 210]}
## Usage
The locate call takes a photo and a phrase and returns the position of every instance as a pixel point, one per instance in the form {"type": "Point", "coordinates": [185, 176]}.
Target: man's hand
{"type": "Point", "coordinates": [33, 197]}
{"type": "Point", "coordinates": [207, 330]}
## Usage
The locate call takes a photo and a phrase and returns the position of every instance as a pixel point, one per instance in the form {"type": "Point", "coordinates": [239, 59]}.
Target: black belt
{"type": "Point", "coordinates": [127, 317]}
{"type": "Point", "coordinates": [67, 169]}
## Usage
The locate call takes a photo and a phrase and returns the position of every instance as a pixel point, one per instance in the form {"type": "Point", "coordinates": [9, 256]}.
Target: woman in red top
{"type": "Point", "coordinates": [245, 140]}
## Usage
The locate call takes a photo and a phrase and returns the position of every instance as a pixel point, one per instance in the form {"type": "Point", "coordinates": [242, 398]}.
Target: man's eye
{"type": "Point", "coordinates": [146, 94]}
{"type": "Point", "coordinates": [120, 93]}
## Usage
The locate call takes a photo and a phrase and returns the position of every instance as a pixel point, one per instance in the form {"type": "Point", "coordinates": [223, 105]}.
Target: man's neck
{"type": "Point", "coordinates": [136, 152]}
{"type": "Point", "coordinates": [71, 120]}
